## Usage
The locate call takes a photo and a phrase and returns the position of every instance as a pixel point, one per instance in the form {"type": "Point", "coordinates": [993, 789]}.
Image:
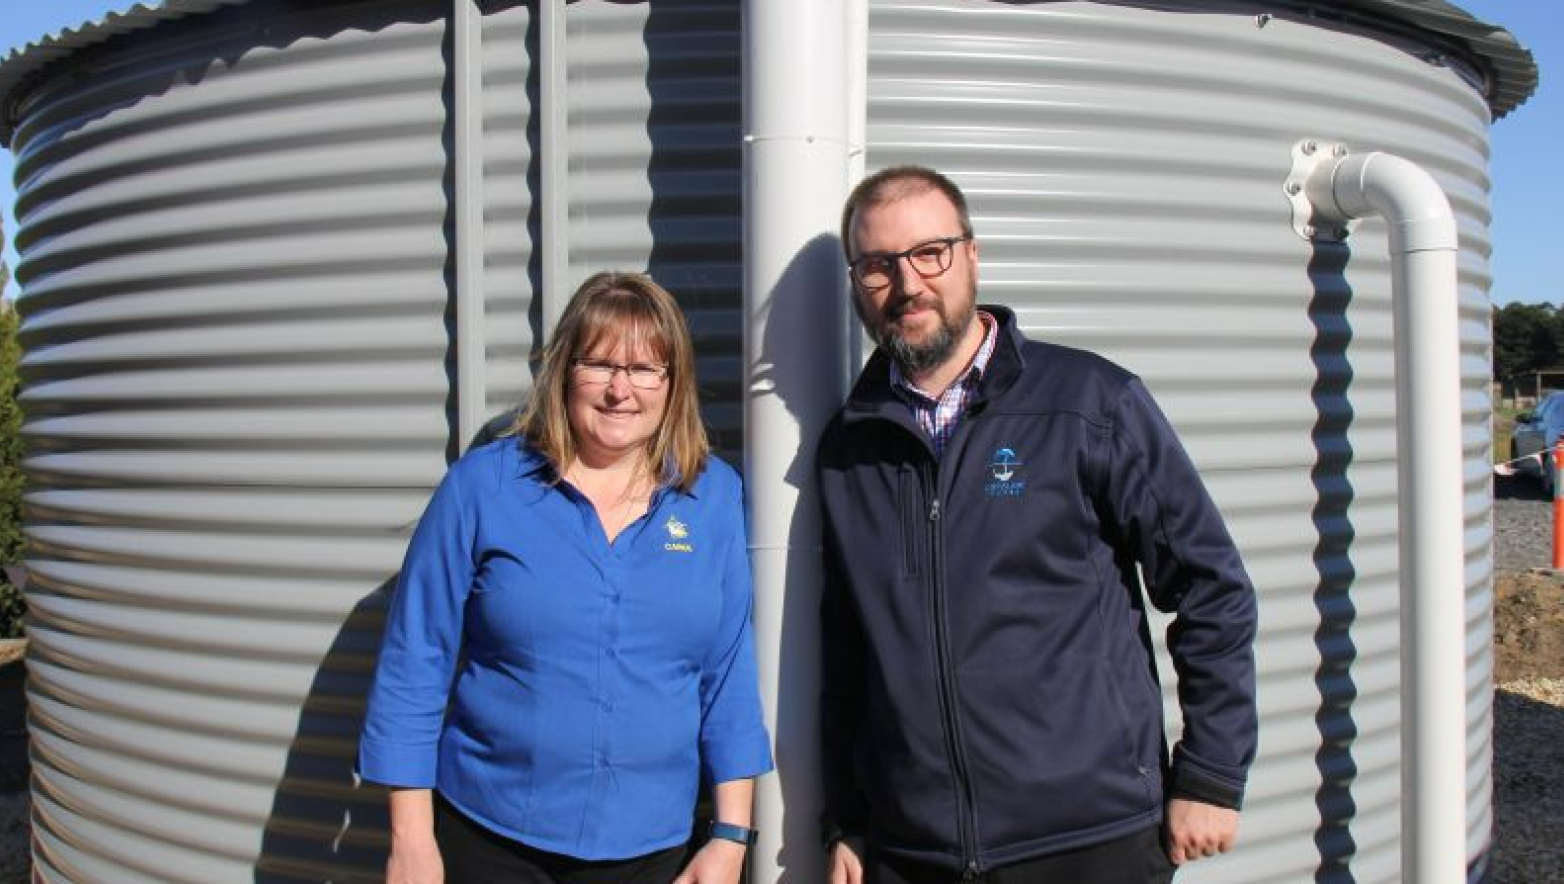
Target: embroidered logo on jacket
{"type": "Point", "coordinates": [1004, 467]}
{"type": "Point", "coordinates": [678, 533]}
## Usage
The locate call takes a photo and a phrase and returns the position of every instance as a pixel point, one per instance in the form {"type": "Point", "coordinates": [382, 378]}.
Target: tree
{"type": "Point", "coordinates": [1526, 338]}
{"type": "Point", "coordinates": [12, 605]}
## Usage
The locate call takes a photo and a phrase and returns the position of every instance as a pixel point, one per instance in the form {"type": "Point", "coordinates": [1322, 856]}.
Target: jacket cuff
{"type": "Point", "coordinates": [832, 832]}
{"type": "Point", "coordinates": [1187, 780]}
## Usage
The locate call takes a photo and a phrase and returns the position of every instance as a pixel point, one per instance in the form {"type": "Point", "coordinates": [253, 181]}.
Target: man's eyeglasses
{"type": "Point", "coordinates": [642, 375]}
{"type": "Point", "coordinates": [875, 270]}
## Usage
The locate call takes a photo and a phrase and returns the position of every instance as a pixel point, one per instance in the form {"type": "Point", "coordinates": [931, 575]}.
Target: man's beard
{"type": "Point", "coordinates": [916, 359]}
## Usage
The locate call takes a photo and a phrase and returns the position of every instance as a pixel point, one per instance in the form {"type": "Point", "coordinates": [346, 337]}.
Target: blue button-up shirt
{"type": "Point", "coordinates": [594, 684]}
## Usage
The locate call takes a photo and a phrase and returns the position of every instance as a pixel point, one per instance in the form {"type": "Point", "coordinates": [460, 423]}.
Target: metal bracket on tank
{"type": "Point", "coordinates": [1314, 223]}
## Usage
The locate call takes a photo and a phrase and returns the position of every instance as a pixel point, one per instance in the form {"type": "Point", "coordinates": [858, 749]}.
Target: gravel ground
{"type": "Point", "coordinates": [1528, 782]}
{"type": "Point", "coordinates": [13, 838]}
{"type": "Point", "coordinates": [13, 768]}
{"type": "Point", "coordinates": [1528, 705]}
{"type": "Point", "coordinates": [1522, 526]}
{"type": "Point", "coordinates": [1529, 700]}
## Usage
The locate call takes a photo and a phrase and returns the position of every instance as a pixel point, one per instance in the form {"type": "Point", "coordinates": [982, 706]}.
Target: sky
{"type": "Point", "coordinates": [1528, 241]}
{"type": "Point", "coordinates": [29, 21]}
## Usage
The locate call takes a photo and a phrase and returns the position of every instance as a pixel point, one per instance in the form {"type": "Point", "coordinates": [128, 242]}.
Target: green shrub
{"type": "Point", "coordinates": [12, 605]}
{"type": "Point", "coordinates": [13, 609]}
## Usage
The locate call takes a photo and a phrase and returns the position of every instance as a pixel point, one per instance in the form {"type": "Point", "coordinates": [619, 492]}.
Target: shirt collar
{"type": "Point", "coordinates": [532, 465]}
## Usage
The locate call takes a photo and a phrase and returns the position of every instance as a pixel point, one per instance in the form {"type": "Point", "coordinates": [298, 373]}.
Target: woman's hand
{"type": "Point", "coordinates": [719, 862]}
{"type": "Point", "coordinates": [415, 861]}
{"type": "Point", "coordinates": [722, 861]}
{"type": "Point", "coordinates": [415, 855]}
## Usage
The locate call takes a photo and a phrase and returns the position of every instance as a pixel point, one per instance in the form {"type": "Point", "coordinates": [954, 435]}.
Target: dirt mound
{"type": "Point", "coordinates": [1528, 625]}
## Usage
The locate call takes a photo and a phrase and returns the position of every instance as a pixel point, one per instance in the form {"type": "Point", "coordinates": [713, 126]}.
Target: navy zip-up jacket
{"type": "Point", "coordinates": [991, 693]}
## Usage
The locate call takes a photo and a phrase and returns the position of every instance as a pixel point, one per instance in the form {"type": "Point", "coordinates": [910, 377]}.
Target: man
{"type": "Point", "coordinates": [992, 506]}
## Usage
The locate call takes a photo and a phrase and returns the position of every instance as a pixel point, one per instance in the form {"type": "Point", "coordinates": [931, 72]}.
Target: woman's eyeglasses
{"type": "Point", "coordinates": [876, 270]}
{"type": "Point", "coordinates": [642, 375]}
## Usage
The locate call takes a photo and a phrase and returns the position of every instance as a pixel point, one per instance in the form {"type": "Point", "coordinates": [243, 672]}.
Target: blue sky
{"type": "Point", "coordinates": [28, 21]}
{"type": "Point", "coordinates": [1528, 258]}
{"type": "Point", "coordinates": [1528, 254]}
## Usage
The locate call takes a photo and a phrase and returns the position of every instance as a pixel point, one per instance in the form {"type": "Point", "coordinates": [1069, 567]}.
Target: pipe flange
{"type": "Point", "coordinates": [1310, 220]}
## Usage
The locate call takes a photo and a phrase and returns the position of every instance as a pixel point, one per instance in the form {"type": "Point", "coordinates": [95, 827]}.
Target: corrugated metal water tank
{"type": "Point", "coordinates": [233, 265]}
{"type": "Point", "coordinates": [1125, 165]}
{"type": "Point", "coordinates": [236, 237]}
{"type": "Point", "coordinates": [239, 229]}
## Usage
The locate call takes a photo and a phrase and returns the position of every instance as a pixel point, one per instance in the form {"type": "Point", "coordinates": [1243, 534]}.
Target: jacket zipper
{"type": "Point", "coordinates": [965, 824]}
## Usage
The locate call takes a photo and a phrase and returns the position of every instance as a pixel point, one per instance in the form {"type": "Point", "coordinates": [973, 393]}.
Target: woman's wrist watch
{"type": "Point", "coordinates": [730, 832]}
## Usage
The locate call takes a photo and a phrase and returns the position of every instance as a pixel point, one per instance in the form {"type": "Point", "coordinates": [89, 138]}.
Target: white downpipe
{"type": "Point", "coordinates": [471, 329]}
{"type": "Point", "coordinates": [1423, 246]}
{"type": "Point", "coordinates": [799, 69]}
{"type": "Point", "coordinates": [553, 167]}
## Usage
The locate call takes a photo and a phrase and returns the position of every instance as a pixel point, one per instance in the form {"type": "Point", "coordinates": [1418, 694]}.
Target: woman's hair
{"type": "Point", "coordinates": [615, 306]}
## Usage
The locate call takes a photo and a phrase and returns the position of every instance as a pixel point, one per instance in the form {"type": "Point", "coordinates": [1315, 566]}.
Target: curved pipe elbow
{"type": "Point", "coordinates": [1408, 198]}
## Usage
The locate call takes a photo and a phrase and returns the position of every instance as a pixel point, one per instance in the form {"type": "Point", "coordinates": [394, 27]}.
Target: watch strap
{"type": "Point", "coordinates": [730, 832]}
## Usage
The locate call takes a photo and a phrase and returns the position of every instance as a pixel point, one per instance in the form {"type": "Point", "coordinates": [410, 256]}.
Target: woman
{"type": "Point", "coordinates": [568, 652]}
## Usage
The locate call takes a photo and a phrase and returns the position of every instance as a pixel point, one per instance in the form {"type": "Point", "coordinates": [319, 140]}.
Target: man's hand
{"type": "Point", "coordinates": [1196, 830]}
{"type": "Point", "coordinates": [719, 862]}
{"type": "Point", "coordinates": [846, 861]}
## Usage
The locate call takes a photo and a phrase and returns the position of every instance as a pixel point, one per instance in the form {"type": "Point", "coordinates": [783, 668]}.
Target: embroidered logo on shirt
{"type": "Point", "coordinates": [1003, 467]}
{"type": "Point", "coordinates": [678, 532]}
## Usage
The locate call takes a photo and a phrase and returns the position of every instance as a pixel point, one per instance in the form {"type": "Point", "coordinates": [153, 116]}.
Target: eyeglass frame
{"type": "Point", "coordinates": [597, 365]}
{"type": "Point", "coordinates": [854, 267]}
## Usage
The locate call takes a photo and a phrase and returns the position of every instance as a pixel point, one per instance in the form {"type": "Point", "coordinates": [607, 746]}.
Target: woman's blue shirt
{"type": "Point", "coordinates": [563, 691]}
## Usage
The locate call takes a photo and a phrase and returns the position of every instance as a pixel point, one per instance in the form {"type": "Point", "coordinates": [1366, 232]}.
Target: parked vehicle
{"type": "Point", "coordinates": [1535, 433]}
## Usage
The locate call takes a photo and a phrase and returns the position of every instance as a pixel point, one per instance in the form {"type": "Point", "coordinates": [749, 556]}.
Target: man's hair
{"type": "Point", "coordinates": [613, 306]}
{"type": "Point", "coordinates": [899, 182]}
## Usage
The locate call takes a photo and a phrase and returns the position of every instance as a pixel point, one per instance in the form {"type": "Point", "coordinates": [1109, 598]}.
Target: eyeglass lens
{"type": "Point", "coordinates": [646, 377]}
{"type": "Point", "coordinates": [930, 259]}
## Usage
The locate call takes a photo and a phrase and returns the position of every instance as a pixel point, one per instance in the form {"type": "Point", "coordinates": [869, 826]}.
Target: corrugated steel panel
{"type": "Point", "coordinates": [233, 255]}
{"type": "Point", "coordinates": [654, 179]}
{"type": "Point", "coordinates": [235, 302]}
{"type": "Point", "coordinates": [1125, 165]}
{"type": "Point", "coordinates": [1511, 75]}
{"type": "Point", "coordinates": [655, 170]}
{"type": "Point", "coordinates": [24, 62]}
{"type": "Point", "coordinates": [1509, 71]}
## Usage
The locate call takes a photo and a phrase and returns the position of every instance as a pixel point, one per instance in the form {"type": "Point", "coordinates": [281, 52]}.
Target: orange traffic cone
{"type": "Point", "coordinates": [1558, 504]}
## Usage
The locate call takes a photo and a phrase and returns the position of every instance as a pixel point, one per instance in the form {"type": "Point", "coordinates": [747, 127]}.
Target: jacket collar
{"type": "Point", "coordinates": [872, 395]}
